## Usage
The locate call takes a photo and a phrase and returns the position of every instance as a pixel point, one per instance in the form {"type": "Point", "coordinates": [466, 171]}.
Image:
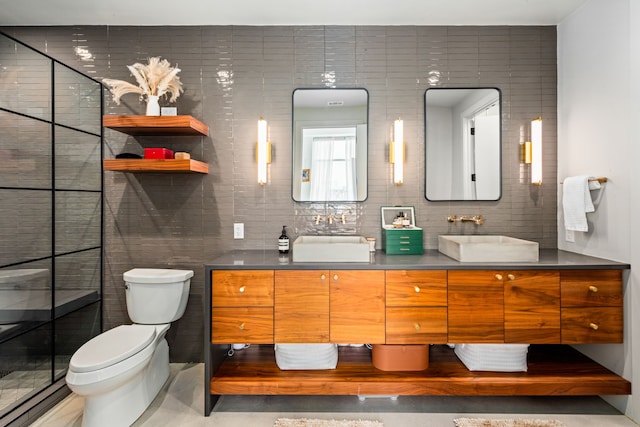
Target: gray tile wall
{"type": "Point", "coordinates": [234, 75]}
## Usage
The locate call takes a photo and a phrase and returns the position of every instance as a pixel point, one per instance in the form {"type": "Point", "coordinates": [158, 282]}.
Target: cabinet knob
{"type": "Point", "coordinates": [416, 326]}
{"type": "Point", "coordinates": [511, 277]}
{"type": "Point", "coordinates": [241, 327]}
{"type": "Point", "coordinates": [242, 288]}
{"type": "Point", "coordinates": [593, 289]}
{"type": "Point", "coordinates": [322, 277]}
{"type": "Point", "coordinates": [499, 276]}
{"type": "Point", "coordinates": [593, 326]}
{"type": "Point", "coordinates": [417, 289]}
{"type": "Point", "coordinates": [335, 277]}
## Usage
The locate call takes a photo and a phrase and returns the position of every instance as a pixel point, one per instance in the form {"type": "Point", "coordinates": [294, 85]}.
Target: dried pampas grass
{"type": "Point", "coordinates": [157, 78]}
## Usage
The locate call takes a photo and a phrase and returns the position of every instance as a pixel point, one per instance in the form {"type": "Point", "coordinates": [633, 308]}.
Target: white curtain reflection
{"type": "Point", "coordinates": [333, 166]}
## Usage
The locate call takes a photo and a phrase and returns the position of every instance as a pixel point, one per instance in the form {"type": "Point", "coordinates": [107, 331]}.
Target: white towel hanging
{"type": "Point", "coordinates": [576, 202]}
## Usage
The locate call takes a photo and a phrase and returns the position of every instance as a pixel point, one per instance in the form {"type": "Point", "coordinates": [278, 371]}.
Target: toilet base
{"type": "Point", "coordinates": [123, 405]}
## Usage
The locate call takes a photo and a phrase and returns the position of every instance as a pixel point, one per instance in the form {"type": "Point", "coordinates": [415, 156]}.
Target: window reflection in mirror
{"type": "Point", "coordinates": [463, 144]}
{"type": "Point", "coordinates": [330, 145]}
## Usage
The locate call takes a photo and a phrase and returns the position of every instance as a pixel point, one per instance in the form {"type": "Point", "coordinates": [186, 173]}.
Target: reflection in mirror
{"type": "Point", "coordinates": [330, 145]}
{"type": "Point", "coordinates": [463, 144]}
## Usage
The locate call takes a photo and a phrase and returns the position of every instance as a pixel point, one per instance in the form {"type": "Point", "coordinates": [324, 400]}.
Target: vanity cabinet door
{"type": "Point", "coordinates": [475, 306]}
{"type": "Point", "coordinates": [416, 307]}
{"type": "Point", "coordinates": [592, 310]}
{"type": "Point", "coordinates": [301, 309]}
{"type": "Point", "coordinates": [532, 307]}
{"type": "Point", "coordinates": [357, 306]}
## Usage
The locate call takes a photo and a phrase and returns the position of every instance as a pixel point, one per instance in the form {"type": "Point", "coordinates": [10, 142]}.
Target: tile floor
{"type": "Point", "coordinates": [22, 378]}
{"type": "Point", "coordinates": [180, 404]}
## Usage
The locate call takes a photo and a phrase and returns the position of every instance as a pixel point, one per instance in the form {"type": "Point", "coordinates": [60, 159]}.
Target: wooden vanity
{"type": "Point", "coordinates": [254, 297]}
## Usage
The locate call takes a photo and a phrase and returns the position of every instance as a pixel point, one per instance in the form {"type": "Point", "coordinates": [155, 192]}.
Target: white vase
{"type": "Point", "coordinates": [153, 108]}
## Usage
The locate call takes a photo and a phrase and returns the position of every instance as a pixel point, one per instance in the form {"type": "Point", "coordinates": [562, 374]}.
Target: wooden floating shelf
{"type": "Point", "coordinates": [156, 125]}
{"type": "Point", "coordinates": [155, 165]}
{"type": "Point", "coordinates": [552, 370]}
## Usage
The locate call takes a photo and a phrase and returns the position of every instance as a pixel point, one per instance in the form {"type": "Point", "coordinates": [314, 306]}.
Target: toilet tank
{"type": "Point", "coordinates": [155, 295]}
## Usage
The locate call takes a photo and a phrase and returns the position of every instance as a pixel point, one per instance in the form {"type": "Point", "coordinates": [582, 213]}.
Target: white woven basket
{"type": "Point", "coordinates": [306, 356]}
{"type": "Point", "coordinates": [493, 357]}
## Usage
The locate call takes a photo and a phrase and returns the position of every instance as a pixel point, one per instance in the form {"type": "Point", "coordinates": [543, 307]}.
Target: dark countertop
{"type": "Point", "coordinates": [430, 260]}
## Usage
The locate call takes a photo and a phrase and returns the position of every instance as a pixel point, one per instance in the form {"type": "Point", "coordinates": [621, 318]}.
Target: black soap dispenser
{"type": "Point", "coordinates": [283, 241]}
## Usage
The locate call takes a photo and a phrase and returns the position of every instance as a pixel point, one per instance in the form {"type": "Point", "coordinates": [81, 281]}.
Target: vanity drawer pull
{"type": "Point", "coordinates": [323, 277]}
{"type": "Point", "coordinates": [241, 327]}
{"type": "Point", "coordinates": [593, 289]}
{"type": "Point", "coordinates": [335, 277]}
{"type": "Point", "coordinates": [499, 276]}
{"type": "Point", "coordinates": [416, 289]}
{"type": "Point", "coordinates": [405, 249]}
{"type": "Point", "coordinates": [511, 277]}
{"type": "Point", "coordinates": [593, 326]}
{"type": "Point", "coordinates": [416, 326]}
{"type": "Point", "coordinates": [242, 289]}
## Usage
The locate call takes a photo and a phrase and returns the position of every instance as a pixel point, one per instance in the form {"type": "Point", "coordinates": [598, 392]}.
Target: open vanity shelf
{"type": "Point", "coordinates": [156, 126]}
{"type": "Point", "coordinates": [552, 370]}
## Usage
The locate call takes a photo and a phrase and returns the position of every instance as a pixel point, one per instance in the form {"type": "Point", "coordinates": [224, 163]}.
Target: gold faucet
{"type": "Point", "coordinates": [477, 219]}
{"type": "Point", "coordinates": [330, 219]}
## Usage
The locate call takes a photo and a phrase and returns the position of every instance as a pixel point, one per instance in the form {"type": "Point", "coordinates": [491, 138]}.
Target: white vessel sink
{"type": "Point", "coordinates": [487, 248]}
{"type": "Point", "coordinates": [330, 249]}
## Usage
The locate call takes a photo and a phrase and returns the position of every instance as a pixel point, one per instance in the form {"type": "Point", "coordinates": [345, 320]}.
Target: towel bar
{"type": "Point", "coordinates": [600, 179]}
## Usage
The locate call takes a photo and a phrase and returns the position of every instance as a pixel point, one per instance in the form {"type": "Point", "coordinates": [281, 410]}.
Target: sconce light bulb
{"type": "Point", "coordinates": [536, 151]}
{"type": "Point", "coordinates": [262, 151]}
{"type": "Point", "coordinates": [398, 151]}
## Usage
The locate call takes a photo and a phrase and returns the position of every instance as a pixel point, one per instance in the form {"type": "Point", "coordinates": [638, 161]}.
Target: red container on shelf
{"type": "Point", "coordinates": [158, 153]}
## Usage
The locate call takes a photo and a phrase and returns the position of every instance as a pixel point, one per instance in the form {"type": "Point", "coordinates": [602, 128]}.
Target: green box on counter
{"type": "Point", "coordinates": [400, 236]}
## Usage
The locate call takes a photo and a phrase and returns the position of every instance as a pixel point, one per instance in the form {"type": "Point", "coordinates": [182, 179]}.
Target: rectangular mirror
{"type": "Point", "coordinates": [330, 132]}
{"type": "Point", "coordinates": [463, 140]}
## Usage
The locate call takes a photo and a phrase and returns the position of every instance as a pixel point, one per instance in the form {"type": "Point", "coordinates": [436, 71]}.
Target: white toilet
{"type": "Point", "coordinates": [121, 371]}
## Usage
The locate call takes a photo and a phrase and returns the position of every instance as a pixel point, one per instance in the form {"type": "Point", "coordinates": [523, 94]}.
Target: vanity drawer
{"type": "Point", "coordinates": [401, 241]}
{"type": "Point", "coordinates": [246, 288]}
{"type": "Point", "coordinates": [412, 288]}
{"type": "Point", "coordinates": [416, 325]}
{"type": "Point", "coordinates": [250, 325]}
{"type": "Point", "coordinates": [594, 325]}
{"type": "Point", "coordinates": [591, 288]}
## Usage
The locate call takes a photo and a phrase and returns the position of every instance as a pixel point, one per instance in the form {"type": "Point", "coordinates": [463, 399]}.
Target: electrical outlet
{"type": "Point", "coordinates": [570, 236]}
{"type": "Point", "coordinates": [238, 230]}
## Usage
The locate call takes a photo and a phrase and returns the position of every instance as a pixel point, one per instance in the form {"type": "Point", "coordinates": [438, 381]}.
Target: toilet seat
{"type": "Point", "coordinates": [112, 347]}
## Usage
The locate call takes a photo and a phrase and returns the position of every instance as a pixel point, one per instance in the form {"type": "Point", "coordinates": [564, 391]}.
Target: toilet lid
{"type": "Point", "coordinates": [111, 347]}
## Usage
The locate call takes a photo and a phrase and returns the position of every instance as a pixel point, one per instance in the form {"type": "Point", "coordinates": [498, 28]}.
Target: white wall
{"type": "Point", "coordinates": [598, 53]}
